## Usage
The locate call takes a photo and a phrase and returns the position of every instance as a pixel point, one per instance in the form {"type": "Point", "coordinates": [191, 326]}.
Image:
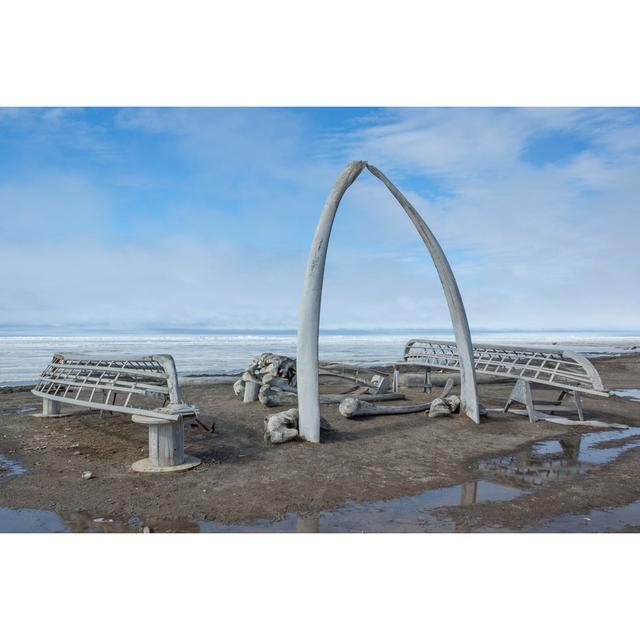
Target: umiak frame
{"type": "Point", "coordinates": [309, 326]}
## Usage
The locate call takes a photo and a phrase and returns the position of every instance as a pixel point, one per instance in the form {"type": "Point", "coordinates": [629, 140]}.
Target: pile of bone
{"type": "Point", "coordinates": [444, 406]}
{"type": "Point", "coordinates": [281, 427]}
{"type": "Point", "coordinates": [271, 379]}
{"type": "Point", "coordinates": [266, 372]}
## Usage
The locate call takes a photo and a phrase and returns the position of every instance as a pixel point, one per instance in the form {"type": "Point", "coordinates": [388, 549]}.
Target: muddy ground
{"type": "Point", "coordinates": [243, 478]}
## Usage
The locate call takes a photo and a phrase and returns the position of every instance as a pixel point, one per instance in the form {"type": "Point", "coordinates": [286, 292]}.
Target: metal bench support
{"type": "Point", "coordinates": [521, 393]}
{"type": "Point", "coordinates": [166, 447]}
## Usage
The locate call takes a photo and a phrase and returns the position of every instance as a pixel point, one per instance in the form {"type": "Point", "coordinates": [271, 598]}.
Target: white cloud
{"type": "Point", "coordinates": [532, 245]}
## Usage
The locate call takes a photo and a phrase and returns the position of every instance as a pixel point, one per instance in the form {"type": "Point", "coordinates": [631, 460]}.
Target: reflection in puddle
{"type": "Point", "coordinates": [508, 477]}
{"type": "Point", "coordinates": [406, 514]}
{"type": "Point", "coordinates": [560, 458]}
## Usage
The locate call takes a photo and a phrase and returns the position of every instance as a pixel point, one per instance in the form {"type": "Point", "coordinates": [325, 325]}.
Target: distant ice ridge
{"type": "Point", "coordinates": [22, 358]}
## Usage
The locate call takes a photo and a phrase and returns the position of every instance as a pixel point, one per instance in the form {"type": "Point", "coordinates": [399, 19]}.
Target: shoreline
{"type": "Point", "coordinates": [232, 375]}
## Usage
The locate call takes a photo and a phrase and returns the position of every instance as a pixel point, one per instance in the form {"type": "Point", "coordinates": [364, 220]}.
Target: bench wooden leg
{"type": "Point", "coordinates": [166, 447]}
{"type": "Point", "coordinates": [166, 444]}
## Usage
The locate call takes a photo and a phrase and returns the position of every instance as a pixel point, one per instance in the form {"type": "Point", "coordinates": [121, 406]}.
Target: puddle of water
{"type": "Point", "coordinates": [9, 467]}
{"type": "Point", "coordinates": [598, 520]}
{"type": "Point", "coordinates": [507, 477]}
{"type": "Point", "coordinates": [30, 521]}
{"type": "Point", "coordinates": [560, 458]}
{"type": "Point", "coordinates": [631, 394]}
{"type": "Point", "coordinates": [406, 514]}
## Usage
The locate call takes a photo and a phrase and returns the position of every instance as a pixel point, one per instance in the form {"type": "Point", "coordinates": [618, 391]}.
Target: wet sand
{"type": "Point", "coordinates": [386, 473]}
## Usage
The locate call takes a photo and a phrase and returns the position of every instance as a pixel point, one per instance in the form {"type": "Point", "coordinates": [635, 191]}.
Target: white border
{"type": "Point", "coordinates": [329, 53]}
{"type": "Point", "coordinates": [286, 52]}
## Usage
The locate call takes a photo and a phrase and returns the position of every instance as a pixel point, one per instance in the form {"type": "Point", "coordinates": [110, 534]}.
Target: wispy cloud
{"type": "Point", "coordinates": [204, 217]}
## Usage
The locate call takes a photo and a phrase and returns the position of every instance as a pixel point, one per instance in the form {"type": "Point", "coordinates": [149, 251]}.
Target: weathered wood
{"type": "Point", "coordinates": [166, 444]}
{"type": "Point", "coordinates": [166, 447]}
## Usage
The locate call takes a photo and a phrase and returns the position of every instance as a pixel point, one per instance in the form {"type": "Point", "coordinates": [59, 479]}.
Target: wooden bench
{"type": "Point", "coordinates": [568, 371]}
{"type": "Point", "coordinates": [144, 387]}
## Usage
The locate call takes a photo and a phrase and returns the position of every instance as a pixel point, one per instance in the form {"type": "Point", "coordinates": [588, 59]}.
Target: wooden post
{"type": "Point", "coordinates": [166, 446]}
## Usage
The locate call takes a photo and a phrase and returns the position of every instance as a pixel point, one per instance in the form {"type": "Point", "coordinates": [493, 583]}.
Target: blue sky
{"type": "Point", "coordinates": [202, 218]}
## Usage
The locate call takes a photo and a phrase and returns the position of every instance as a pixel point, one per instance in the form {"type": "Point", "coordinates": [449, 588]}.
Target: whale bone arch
{"type": "Point", "coordinates": [309, 322]}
